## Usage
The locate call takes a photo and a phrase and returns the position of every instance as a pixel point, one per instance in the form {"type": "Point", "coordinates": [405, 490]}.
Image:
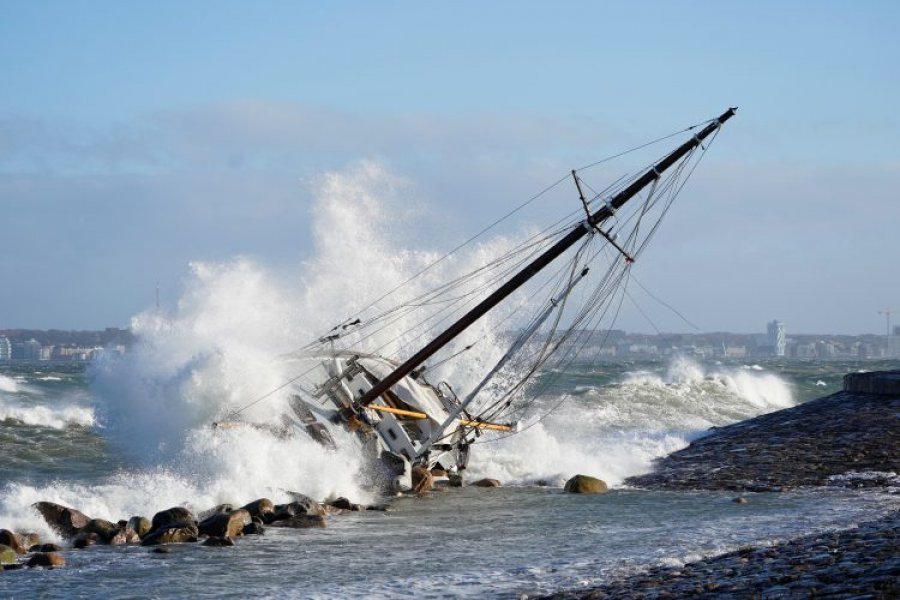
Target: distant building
{"type": "Point", "coordinates": [775, 338]}
{"type": "Point", "coordinates": [5, 348]}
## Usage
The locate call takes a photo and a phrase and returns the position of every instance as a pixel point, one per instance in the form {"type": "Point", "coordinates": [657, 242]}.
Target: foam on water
{"type": "Point", "coordinates": [615, 431]}
{"type": "Point", "coordinates": [58, 416]}
{"type": "Point", "coordinates": [8, 384]}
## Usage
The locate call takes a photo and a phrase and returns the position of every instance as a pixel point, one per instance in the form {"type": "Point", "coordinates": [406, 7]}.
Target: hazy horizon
{"type": "Point", "coordinates": [136, 140]}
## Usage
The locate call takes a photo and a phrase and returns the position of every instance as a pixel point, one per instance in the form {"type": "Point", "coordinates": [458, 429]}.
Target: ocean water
{"type": "Point", "coordinates": [131, 435]}
{"type": "Point", "coordinates": [526, 537]}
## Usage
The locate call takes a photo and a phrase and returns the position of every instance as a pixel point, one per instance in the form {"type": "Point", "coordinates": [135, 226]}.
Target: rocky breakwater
{"type": "Point", "coordinates": [217, 526]}
{"type": "Point", "coordinates": [853, 431]}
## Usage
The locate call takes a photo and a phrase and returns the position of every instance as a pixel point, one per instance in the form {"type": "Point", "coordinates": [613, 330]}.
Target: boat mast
{"type": "Point", "coordinates": [529, 271]}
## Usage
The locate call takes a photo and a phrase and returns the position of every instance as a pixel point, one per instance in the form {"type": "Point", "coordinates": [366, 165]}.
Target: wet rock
{"type": "Point", "coordinates": [740, 500]}
{"type": "Point", "coordinates": [342, 503]}
{"type": "Point", "coordinates": [161, 550]}
{"type": "Point", "coordinates": [438, 472]}
{"type": "Point", "coordinates": [218, 541]}
{"type": "Point", "coordinates": [140, 525]}
{"type": "Point", "coordinates": [13, 540]}
{"type": "Point", "coordinates": [106, 530]}
{"type": "Point", "coordinates": [585, 484]}
{"type": "Point", "coordinates": [85, 539]}
{"type": "Point", "coordinates": [486, 482]}
{"type": "Point", "coordinates": [226, 524]}
{"type": "Point", "coordinates": [46, 548]}
{"type": "Point", "coordinates": [49, 560]}
{"type": "Point", "coordinates": [422, 480]}
{"type": "Point", "coordinates": [66, 521]}
{"type": "Point", "coordinates": [254, 528]}
{"type": "Point", "coordinates": [306, 506]}
{"type": "Point", "coordinates": [30, 539]}
{"type": "Point", "coordinates": [260, 508]}
{"type": "Point", "coordinates": [301, 522]}
{"type": "Point", "coordinates": [170, 517]}
{"type": "Point", "coordinates": [454, 480]}
{"type": "Point", "coordinates": [8, 555]}
{"type": "Point", "coordinates": [174, 533]}
{"type": "Point", "coordinates": [378, 507]}
{"type": "Point", "coordinates": [215, 510]}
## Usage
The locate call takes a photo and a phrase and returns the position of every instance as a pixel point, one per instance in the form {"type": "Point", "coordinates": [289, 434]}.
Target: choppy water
{"type": "Point", "coordinates": [474, 542]}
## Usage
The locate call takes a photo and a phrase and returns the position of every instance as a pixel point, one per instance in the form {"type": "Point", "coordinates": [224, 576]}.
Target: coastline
{"type": "Point", "coordinates": [848, 439]}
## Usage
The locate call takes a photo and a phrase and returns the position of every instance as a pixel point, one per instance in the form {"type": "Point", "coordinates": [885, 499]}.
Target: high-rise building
{"type": "Point", "coordinates": [775, 337]}
{"type": "Point", "coordinates": [5, 348]}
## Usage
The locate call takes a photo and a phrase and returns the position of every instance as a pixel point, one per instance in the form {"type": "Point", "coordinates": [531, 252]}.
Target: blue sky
{"type": "Point", "coordinates": [138, 137]}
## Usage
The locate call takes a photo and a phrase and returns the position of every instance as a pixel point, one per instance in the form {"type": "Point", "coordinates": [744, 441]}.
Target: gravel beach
{"type": "Point", "coordinates": [849, 439]}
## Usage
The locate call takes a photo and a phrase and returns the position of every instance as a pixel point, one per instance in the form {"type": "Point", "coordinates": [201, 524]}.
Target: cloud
{"type": "Point", "coordinates": [104, 211]}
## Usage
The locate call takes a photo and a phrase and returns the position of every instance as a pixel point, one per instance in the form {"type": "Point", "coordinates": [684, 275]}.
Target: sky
{"type": "Point", "coordinates": [139, 137]}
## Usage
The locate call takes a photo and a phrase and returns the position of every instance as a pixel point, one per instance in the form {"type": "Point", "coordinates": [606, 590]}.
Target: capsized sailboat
{"type": "Point", "coordinates": [382, 393]}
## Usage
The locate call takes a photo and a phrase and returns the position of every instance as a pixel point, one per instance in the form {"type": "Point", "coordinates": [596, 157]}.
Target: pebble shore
{"type": "Point", "coordinates": [850, 439]}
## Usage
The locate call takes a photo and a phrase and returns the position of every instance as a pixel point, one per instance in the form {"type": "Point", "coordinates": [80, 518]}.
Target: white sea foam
{"type": "Point", "coordinates": [8, 384]}
{"type": "Point", "coordinates": [616, 431]}
{"type": "Point", "coordinates": [56, 416]}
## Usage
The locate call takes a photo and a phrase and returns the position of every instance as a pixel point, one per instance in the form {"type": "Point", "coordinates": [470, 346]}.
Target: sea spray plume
{"type": "Point", "coordinates": [216, 352]}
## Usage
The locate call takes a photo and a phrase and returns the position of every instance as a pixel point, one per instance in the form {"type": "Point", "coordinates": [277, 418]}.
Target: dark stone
{"type": "Point", "coordinates": [140, 525]}
{"type": "Point", "coordinates": [226, 524]}
{"type": "Point", "coordinates": [12, 540]}
{"type": "Point", "coordinates": [66, 521]}
{"type": "Point", "coordinates": [218, 541]}
{"type": "Point", "coordinates": [300, 522]}
{"type": "Point", "coordinates": [174, 533]}
{"type": "Point", "coordinates": [215, 510]}
{"type": "Point", "coordinates": [585, 484]}
{"type": "Point", "coordinates": [295, 508]}
{"type": "Point", "coordinates": [103, 528]}
{"type": "Point", "coordinates": [260, 508]}
{"type": "Point", "coordinates": [254, 528]}
{"type": "Point", "coordinates": [162, 550]}
{"type": "Point", "coordinates": [46, 548]}
{"type": "Point", "coordinates": [486, 482]}
{"type": "Point", "coordinates": [47, 559]}
{"type": "Point", "coordinates": [740, 500]}
{"type": "Point", "coordinates": [171, 516]}
{"type": "Point", "coordinates": [342, 503]}
{"type": "Point", "coordinates": [85, 539]}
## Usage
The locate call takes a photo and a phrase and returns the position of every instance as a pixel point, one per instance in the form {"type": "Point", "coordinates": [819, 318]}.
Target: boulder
{"type": "Point", "coordinates": [30, 539]}
{"type": "Point", "coordinates": [341, 503]}
{"type": "Point", "coordinates": [226, 524]}
{"type": "Point", "coordinates": [308, 507]}
{"type": "Point", "coordinates": [140, 525]}
{"type": "Point", "coordinates": [454, 480]}
{"type": "Point", "coordinates": [260, 508]}
{"type": "Point", "coordinates": [254, 528]}
{"type": "Point", "coordinates": [8, 556]}
{"type": "Point", "coordinates": [170, 517]}
{"type": "Point", "coordinates": [585, 484]}
{"type": "Point", "coordinates": [422, 480]}
{"type": "Point", "coordinates": [13, 540]}
{"type": "Point", "coordinates": [487, 482]}
{"type": "Point", "coordinates": [218, 541]}
{"type": "Point", "coordinates": [215, 510]}
{"type": "Point", "coordinates": [66, 521]}
{"type": "Point", "coordinates": [174, 533]}
{"type": "Point", "coordinates": [85, 539]}
{"type": "Point", "coordinates": [103, 528]}
{"type": "Point", "coordinates": [300, 522]}
{"type": "Point", "coordinates": [46, 559]}
{"type": "Point", "coordinates": [46, 548]}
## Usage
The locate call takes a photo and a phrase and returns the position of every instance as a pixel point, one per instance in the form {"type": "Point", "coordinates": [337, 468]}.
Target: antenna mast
{"type": "Point", "coordinates": [579, 231]}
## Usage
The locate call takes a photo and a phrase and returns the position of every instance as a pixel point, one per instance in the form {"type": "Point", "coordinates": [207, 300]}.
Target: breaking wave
{"type": "Point", "coordinates": [615, 431]}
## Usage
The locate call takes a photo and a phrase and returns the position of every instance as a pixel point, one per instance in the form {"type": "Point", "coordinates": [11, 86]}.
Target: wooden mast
{"type": "Point", "coordinates": [530, 270]}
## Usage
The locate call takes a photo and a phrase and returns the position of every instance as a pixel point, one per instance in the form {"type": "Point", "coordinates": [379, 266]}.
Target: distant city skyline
{"type": "Point", "coordinates": [138, 139]}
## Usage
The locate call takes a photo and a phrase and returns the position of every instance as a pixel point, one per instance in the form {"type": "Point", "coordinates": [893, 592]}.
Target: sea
{"type": "Point", "coordinates": [79, 435]}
